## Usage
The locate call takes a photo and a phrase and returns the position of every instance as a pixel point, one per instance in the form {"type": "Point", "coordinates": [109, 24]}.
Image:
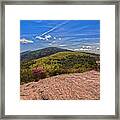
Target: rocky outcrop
{"type": "Point", "coordinates": [76, 86]}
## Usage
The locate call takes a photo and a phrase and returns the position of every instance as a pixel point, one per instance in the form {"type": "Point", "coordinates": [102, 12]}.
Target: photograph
{"type": "Point", "coordinates": [59, 59]}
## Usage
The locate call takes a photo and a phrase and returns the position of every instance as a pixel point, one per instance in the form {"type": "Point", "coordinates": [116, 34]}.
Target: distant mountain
{"type": "Point", "coordinates": [30, 55]}
{"type": "Point", "coordinates": [22, 53]}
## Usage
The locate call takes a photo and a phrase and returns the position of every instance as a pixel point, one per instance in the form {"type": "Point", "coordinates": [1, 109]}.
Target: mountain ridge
{"type": "Point", "coordinates": [30, 55]}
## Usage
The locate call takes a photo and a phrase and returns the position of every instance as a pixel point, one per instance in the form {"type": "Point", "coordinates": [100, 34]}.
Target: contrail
{"type": "Point", "coordinates": [84, 27]}
{"type": "Point", "coordinates": [55, 28]}
{"type": "Point", "coordinates": [81, 28]}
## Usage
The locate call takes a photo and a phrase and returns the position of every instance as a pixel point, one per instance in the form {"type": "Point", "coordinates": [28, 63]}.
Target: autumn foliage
{"type": "Point", "coordinates": [38, 73]}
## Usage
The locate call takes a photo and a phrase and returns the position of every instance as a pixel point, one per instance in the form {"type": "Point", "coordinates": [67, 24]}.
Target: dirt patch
{"type": "Point", "coordinates": [76, 86]}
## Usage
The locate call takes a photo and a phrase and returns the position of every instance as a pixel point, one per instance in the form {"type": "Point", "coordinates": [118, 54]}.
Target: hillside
{"type": "Point", "coordinates": [31, 55]}
{"type": "Point", "coordinates": [76, 86]}
{"type": "Point", "coordinates": [56, 64]}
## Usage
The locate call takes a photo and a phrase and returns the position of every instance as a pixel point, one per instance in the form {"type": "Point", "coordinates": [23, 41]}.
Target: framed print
{"type": "Point", "coordinates": [60, 60]}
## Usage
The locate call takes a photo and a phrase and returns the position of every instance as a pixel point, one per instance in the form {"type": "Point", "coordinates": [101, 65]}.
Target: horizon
{"type": "Point", "coordinates": [76, 35]}
{"type": "Point", "coordinates": [61, 48]}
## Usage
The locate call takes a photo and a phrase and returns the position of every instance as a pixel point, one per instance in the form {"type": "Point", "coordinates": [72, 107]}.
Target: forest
{"type": "Point", "coordinates": [57, 62]}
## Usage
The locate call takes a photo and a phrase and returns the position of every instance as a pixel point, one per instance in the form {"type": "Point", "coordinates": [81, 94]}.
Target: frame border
{"type": "Point", "coordinates": [55, 2]}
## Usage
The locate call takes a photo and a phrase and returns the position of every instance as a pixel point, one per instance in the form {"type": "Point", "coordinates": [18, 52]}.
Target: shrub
{"type": "Point", "coordinates": [38, 73]}
{"type": "Point", "coordinates": [25, 76]}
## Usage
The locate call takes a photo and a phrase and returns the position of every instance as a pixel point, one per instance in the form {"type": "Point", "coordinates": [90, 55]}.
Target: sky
{"type": "Point", "coordinates": [77, 35]}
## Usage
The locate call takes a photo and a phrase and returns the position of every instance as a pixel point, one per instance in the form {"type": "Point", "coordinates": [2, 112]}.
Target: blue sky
{"type": "Point", "coordinates": [69, 34]}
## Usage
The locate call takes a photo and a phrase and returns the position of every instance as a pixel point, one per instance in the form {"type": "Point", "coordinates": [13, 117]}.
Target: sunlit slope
{"type": "Point", "coordinates": [59, 63]}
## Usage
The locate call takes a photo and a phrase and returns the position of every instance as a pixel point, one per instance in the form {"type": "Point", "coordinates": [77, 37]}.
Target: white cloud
{"type": "Point", "coordinates": [76, 49]}
{"type": "Point", "coordinates": [60, 38]}
{"type": "Point", "coordinates": [53, 41]}
{"type": "Point", "coordinates": [50, 44]}
{"type": "Point", "coordinates": [98, 48]}
{"type": "Point", "coordinates": [86, 47]}
{"type": "Point", "coordinates": [81, 48]}
{"type": "Point", "coordinates": [57, 26]}
{"type": "Point", "coordinates": [62, 45]}
{"type": "Point", "coordinates": [25, 41]}
{"type": "Point", "coordinates": [39, 37]}
{"type": "Point", "coordinates": [54, 38]}
{"type": "Point", "coordinates": [46, 37]}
